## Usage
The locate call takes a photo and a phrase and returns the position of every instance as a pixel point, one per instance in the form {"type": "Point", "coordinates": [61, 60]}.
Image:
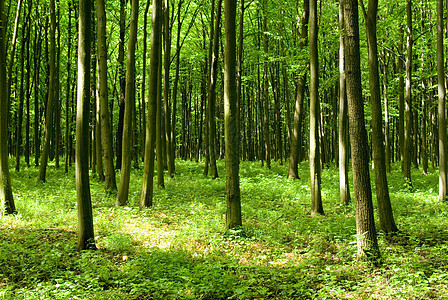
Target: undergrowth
{"type": "Point", "coordinates": [178, 250]}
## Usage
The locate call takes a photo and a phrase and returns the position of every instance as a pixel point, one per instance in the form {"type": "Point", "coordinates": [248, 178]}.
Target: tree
{"type": "Point", "coordinates": [387, 223]}
{"type": "Point", "coordinates": [365, 225]}
{"type": "Point", "coordinates": [166, 86]}
{"type": "Point", "coordinates": [442, 103]}
{"type": "Point", "coordinates": [109, 171]}
{"type": "Point", "coordinates": [6, 197]}
{"type": "Point", "coordinates": [51, 96]}
{"type": "Point", "coordinates": [86, 238]}
{"type": "Point", "coordinates": [344, 187]}
{"type": "Point", "coordinates": [233, 197]}
{"type": "Point", "coordinates": [212, 90]}
{"type": "Point", "coordinates": [408, 97]}
{"type": "Point", "coordinates": [123, 188]}
{"type": "Point", "coordinates": [296, 137]}
{"type": "Point", "coordinates": [148, 171]}
{"type": "Point", "coordinates": [315, 171]}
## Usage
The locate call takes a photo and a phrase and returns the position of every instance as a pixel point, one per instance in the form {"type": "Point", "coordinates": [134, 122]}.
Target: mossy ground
{"type": "Point", "coordinates": [177, 249]}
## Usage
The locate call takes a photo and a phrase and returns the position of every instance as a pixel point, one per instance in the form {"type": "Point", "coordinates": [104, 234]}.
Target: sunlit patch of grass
{"type": "Point", "coordinates": [178, 250]}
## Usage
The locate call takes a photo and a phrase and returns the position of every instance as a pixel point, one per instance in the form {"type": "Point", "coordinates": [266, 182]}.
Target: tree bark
{"type": "Point", "coordinates": [166, 88]}
{"type": "Point", "coordinates": [123, 188]}
{"type": "Point", "coordinates": [344, 187]}
{"type": "Point", "coordinates": [365, 224]}
{"type": "Point", "coordinates": [7, 205]}
{"type": "Point", "coordinates": [86, 238]}
{"type": "Point", "coordinates": [442, 104]}
{"type": "Point", "coordinates": [387, 222]}
{"type": "Point", "coordinates": [315, 170]}
{"type": "Point", "coordinates": [233, 197]}
{"type": "Point", "coordinates": [51, 96]}
{"type": "Point", "coordinates": [106, 137]}
{"type": "Point", "coordinates": [148, 171]}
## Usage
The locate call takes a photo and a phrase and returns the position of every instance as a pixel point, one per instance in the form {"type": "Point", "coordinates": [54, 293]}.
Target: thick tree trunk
{"type": "Point", "coordinates": [123, 188]}
{"type": "Point", "coordinates": [6, 198]}
{"type": "Point", "coordinates": [365, 224]}
{"type": "Point", "coordinates": [86, 238]}
{"type": "Point", "coordinates": [233, 197]}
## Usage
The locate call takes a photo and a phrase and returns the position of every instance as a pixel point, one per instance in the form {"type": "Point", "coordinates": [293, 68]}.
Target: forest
{"type": "Point", "coordinates": [223, 149]}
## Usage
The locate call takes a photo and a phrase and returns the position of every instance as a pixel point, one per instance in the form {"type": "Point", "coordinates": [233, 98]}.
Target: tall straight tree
{"type": "Point", "coordinates": [315, 171]}
{"type": "Point", "coordinates": [344, 187]}
{"type": "Point", "coordinates": [67, 90]}
{"type": "Point", "coordinates": [108, 156]}
{"type": "Point", "coordinates": [442, 103]}
{"type": "Point", "coordinates": [233, 196]}
{"type": "Point", "coordinates": [155, 59]}
{"type": "Point", "coordinates": [367, 243]}
{"type": "Point", "coordinates": [166, 86]}
{"type": "Point", "coordinates": [123, 188]}
{"type": "Point", "coordinates": [386, 217]}
{"type": "Point", "coordinates": [212, 91]}
{"type": "Point", "coordinates": [51, 95]}
{"type": "Point", "coordinates": [296, 137]}
{"type": "Point", "coordinates": [408, 96]}
{"type": "Point", "coordinates": [86, 239]}
{"type": "Point", "coordinates": [6, 198]}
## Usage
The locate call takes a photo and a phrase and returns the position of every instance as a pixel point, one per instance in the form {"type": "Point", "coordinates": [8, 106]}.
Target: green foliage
{"type": "Point", "coordinates": [178, 249]}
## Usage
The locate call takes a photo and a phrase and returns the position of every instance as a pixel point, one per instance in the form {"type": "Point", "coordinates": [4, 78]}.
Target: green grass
{"type": "Point", "coordinates": [177, 249]}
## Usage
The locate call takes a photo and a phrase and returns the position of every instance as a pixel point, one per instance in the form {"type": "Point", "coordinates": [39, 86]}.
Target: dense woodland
{"type": "Point", "coordinates": [119, 87]}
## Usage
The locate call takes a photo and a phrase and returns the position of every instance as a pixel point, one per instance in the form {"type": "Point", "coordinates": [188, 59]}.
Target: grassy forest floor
{"type": "Point", "coordinates": [177, 249]}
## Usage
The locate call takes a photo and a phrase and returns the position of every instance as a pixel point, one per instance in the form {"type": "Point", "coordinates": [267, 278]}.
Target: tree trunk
{"type": "Point", "coordinates": [400, 68]}
{"type": "Point", "coordinates": [51, 96]}
{"type": "Point", "coordinates": [344, 187]}
{"type": "Point", "coordinates": [148, 171]}
{"type": "Point", "coordinates": [408, 97]}
{"type": "Point", "coordinates": [6, 198]}
{"type": "Point", "coordinates": [315, 170]}
{"type": "Point", "coordinates": [233, 199]}
{"type": "Point", "coordinates": [143, 93]}
{"type": "Point", "coordinates": [296, 137]}
{"type": "Point", "coordinates": [442, 104]}
{"type": "Point", "coordinates": [387, 223]}
{"type": "Point", "coordinates": [67, 91]}
{"type": "Point", "coordinates": [123, 188]}
{"type": "Point", "coordinates": [106, 137]}
{"type": "Point", "coordinates": [86, 238]}
{"type": "Point", "coordinates": [166, 88]}
{"type": "Point", "coordinates": [159, 138]}
{"type": "Point", "coordinates": [212, 92]}
{"type": "Point", "coordinates": [365, 224]}
{"type": "Point", "coordinates": [122, 83]}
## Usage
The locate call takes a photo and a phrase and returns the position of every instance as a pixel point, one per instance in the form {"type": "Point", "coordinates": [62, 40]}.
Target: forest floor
{"type": "Point", "coordinates": [177, 249]}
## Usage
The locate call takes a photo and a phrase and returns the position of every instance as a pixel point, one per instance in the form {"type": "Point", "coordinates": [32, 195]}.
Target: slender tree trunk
{"type": "Point", "coordinates": [143, 93]}
{"type": "Point", "coordinates": [67, 91]}
{"type": "Point", "coordinates": [315, 171]}
{"type": "Point", "coordinates": [159, 138]}
{"type": "Point", "coordinates": [123, 188]}
{"type": "Point", "coordinates": [233, 214]}
{"type": "Point", "coordinates": [155, 60]}
{"type": "Point", "coordinates": [7, 205]}
{"type": "Point", "coordinates": [51, 96]}
{"type": "Point", "coordinates": [442, 104]}
{"type": "Point", "coordinates": [266, 122]}
{"type": "Point", "coordinates": [408, 97]}
{"type": "Point", "coordinates": [122, 82]}
{"type": "Point", "coordinates": [296, 137]}
{"type": "Point", "coordinates": [86, 238]}
{"type": "Point", "coordinates": [28, 88]}
{"type": "Point", "coordinates": [212, 93]}
{"type": "Point", "coordinates": [344, 187]}
{"type": "Point", "coordinates": [106, 137]}
{"type": "Point", "coordinates": [400, 67]}
{"type": "Point", "coordinates": [365, 224]}
{"type": "Point", "coordinates": [21, 100]}
{"type": "Point", "coordinates": [386, 113]}
{"type": "Point", "coordinates": [166, 87]}
{"type": "Point", "coordinates": [387, 222]}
